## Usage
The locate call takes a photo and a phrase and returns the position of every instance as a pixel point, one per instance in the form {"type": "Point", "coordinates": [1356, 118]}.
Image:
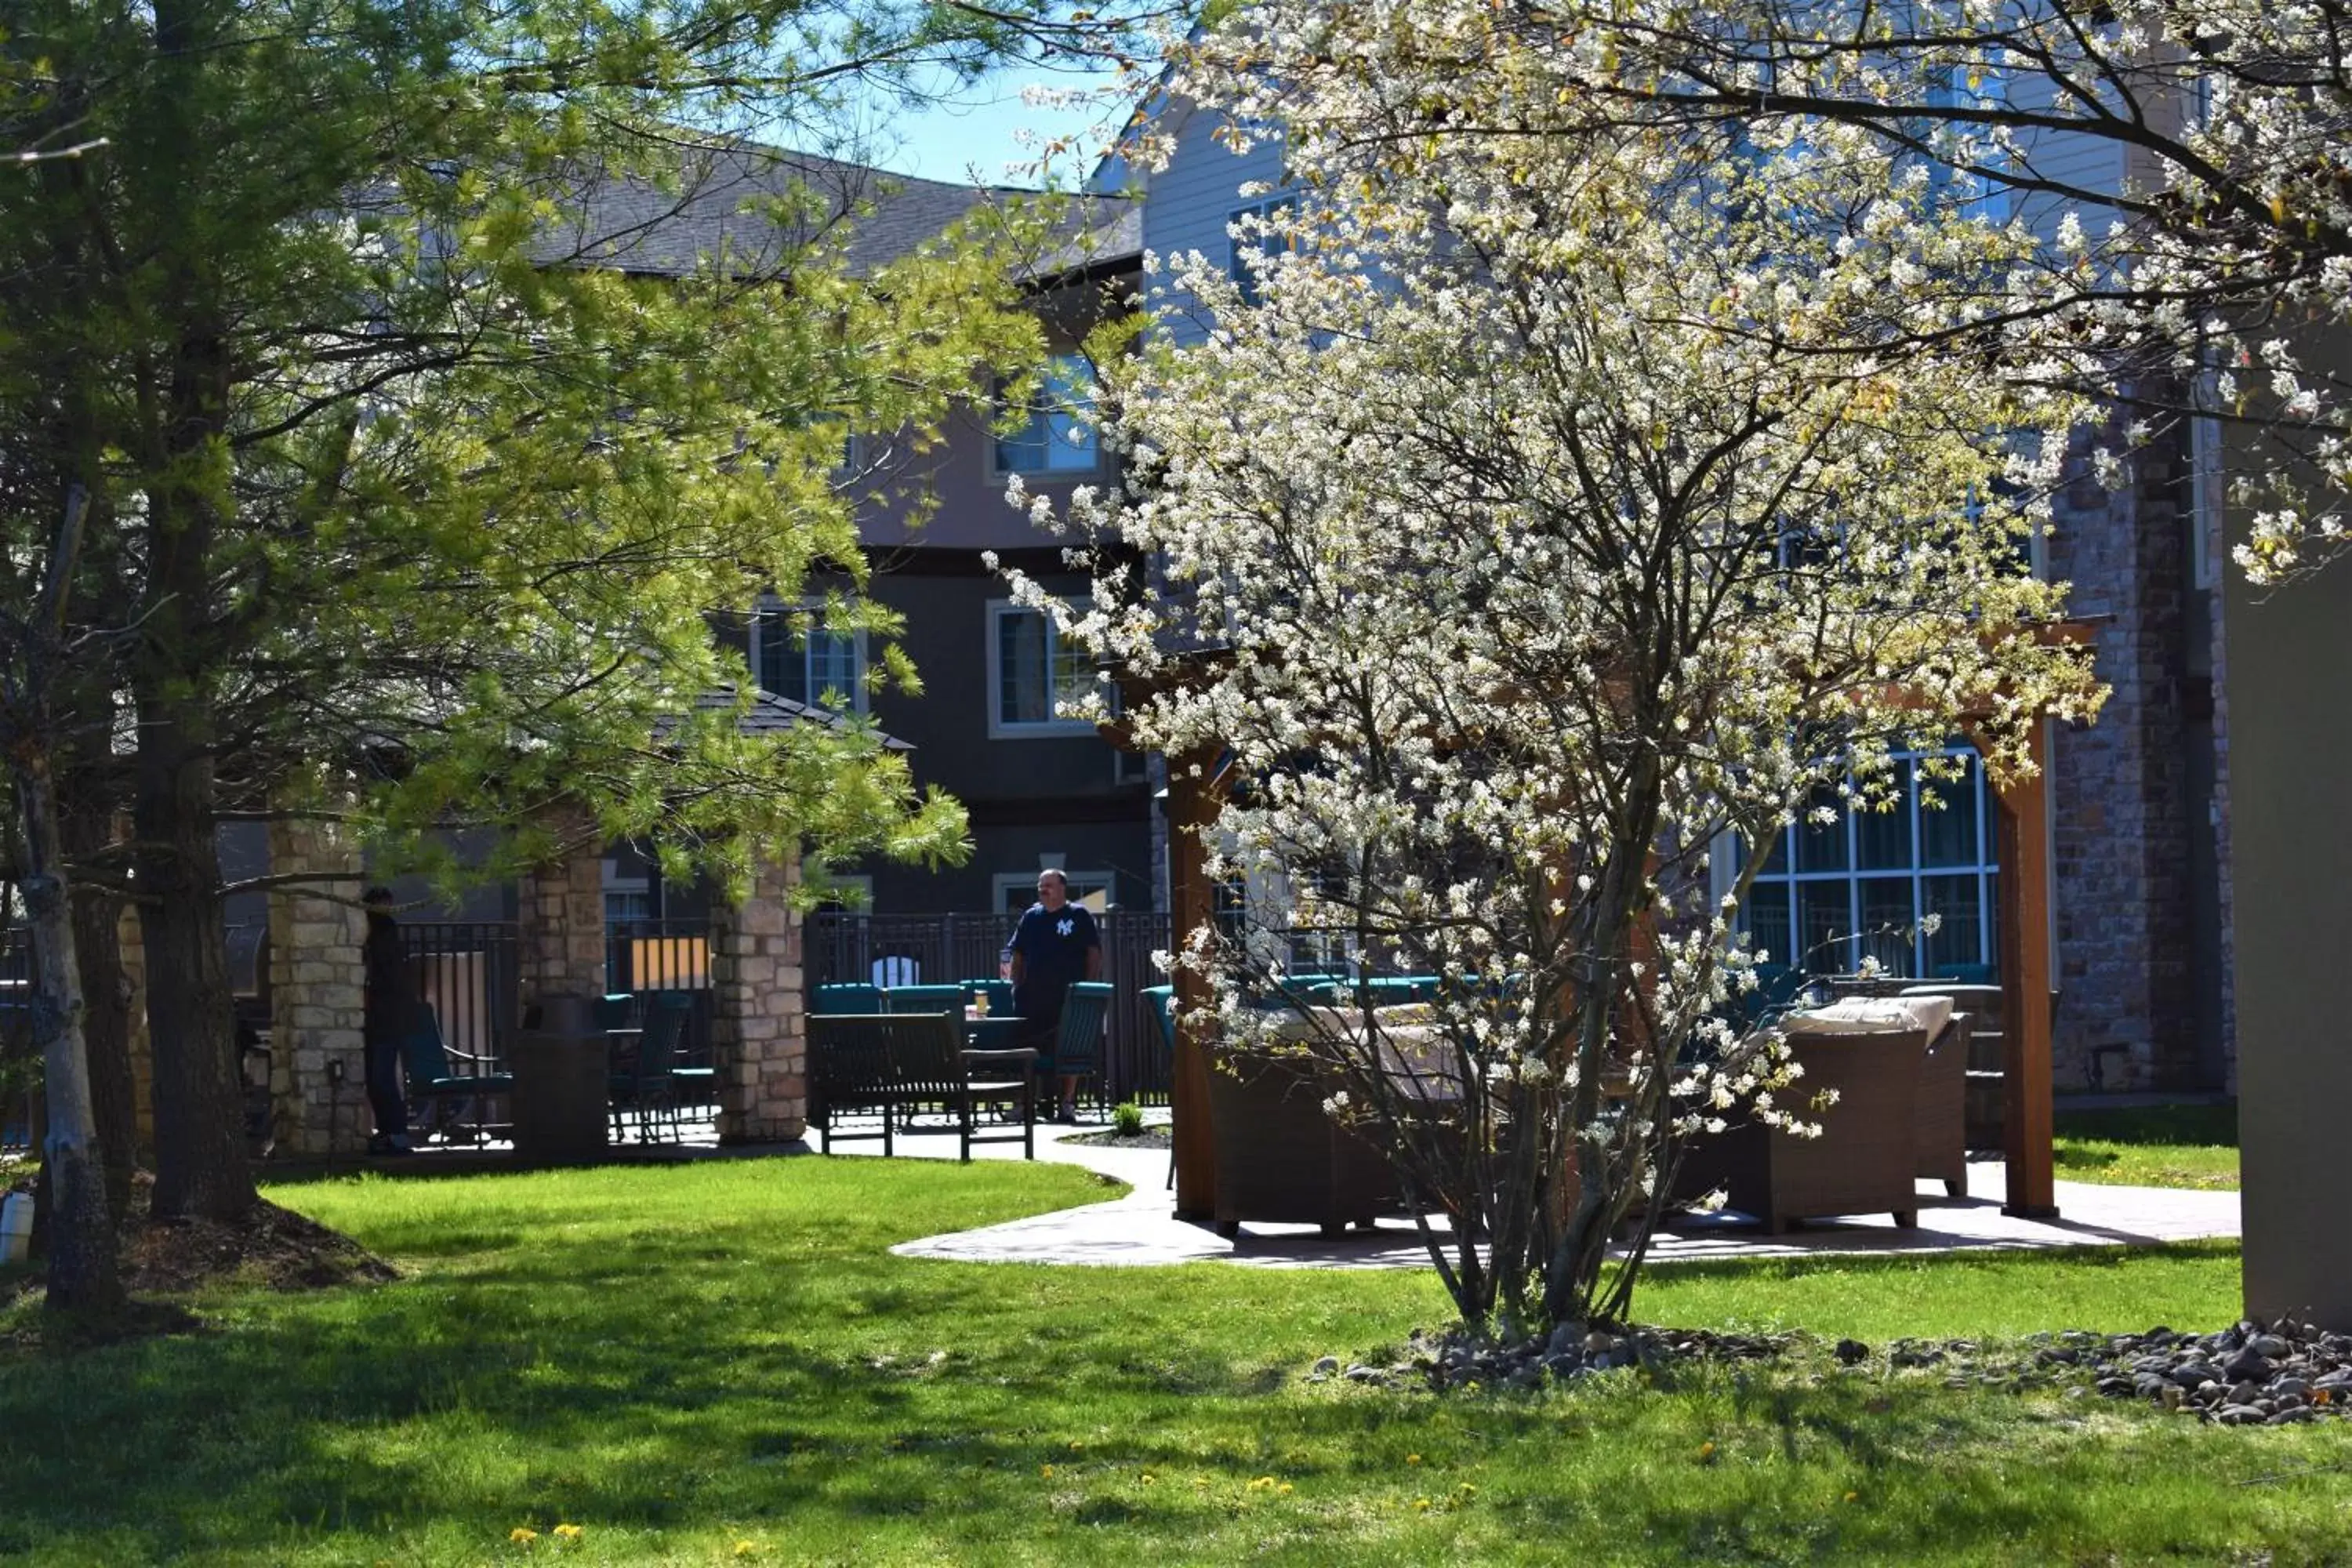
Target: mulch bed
{"type": "Point", "coordinates": [1149, 1138]}
{"type": "Point", "coordinates": [272, 1246]}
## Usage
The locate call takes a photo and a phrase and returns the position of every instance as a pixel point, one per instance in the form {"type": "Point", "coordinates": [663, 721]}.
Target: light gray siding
{"type": "Point", "coordinates": [1190, 203]}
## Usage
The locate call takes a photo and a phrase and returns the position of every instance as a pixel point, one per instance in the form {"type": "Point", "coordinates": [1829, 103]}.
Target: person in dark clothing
{"type": "Point", "coordinates": [1056, 944]}
{"type": "Point", "coordinates": [391, 1009]}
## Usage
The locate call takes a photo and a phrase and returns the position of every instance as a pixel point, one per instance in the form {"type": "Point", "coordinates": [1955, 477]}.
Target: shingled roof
{"type": "Point", "coordinates": [725, 204]}
{"type": "Point", "coordinates": [769, 714]}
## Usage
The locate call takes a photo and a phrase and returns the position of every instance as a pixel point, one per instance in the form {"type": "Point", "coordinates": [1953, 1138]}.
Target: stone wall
{"type": "Point", "coordinates": [560, 915]}
{"type": "Point", "coordinates": [759, 1038]}
{"type": "Point", "coordinates": [2120, 791]}
{"type": "Point", "coordinates": [318, 991]}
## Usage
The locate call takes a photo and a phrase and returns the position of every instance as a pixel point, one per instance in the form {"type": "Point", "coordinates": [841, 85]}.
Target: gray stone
{"type": "Point", "coordinates": [1327, 1365]}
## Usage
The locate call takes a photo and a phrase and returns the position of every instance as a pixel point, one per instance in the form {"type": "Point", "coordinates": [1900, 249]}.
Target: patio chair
{"type": "Point", "coordinates": [856, 997]}
{"type": "Point", "coordinates": [648, 1086]}
{"type": "Point", "coordinates": [1982, 1070]}
{"type": "Point", "coordinates": [425, 1058]}
{"type": "Point", "coordinates": [936, 1068]}
{"type": "Point", "coordinates": [1078, 1047]}
{"type": "Point", "coordinates": [850, 1074]}
{"type": "Point", "coordinates": [1865, 1160]}
{"type": "Point", "coordinates": [1279, 1155]}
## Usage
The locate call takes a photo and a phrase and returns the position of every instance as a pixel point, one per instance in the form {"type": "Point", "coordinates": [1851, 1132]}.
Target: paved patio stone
{"type": "Point", "coordinates": [1141, 1228]}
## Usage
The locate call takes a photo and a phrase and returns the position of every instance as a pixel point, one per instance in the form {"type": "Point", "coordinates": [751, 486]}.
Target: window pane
{"type": "Point", "coordinates": [1070, 443]}
{"type": "Point", "coordinates": [1825, 926]}
{"type": "Point", "coordinates": [1947, 836]}
{"type": "Point", "coordinates": [1887, 922]}
{"type": "Point", "coordinates": [1021, 689]}
{"type": "Point", "coordinates": [1023, 451]}
{"type": "Point", "coordinates": [1959, 939]}
{"type": "Point", "coordinates": [832, 666]}
{"type": "Point", "coordinates": [784, 666]}
{"type": "Point", "coordinates": [1882, 839]}
{"type": "Point", "coordinates": [1767, 922]}
{"type": "Point", "coordinates": [1818, 848]}
{"type": "Point", "coordinates": [1074, 676]}
{"type": "Point", "coordinates": [1053, 438]}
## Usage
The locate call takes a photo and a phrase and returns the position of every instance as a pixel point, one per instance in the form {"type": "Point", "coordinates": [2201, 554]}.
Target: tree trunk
{"type": "Point", "coordinates": [201, 1169]}
{"type": "Point", "coordinates": [82, 1275]}
{"type": "Point", "coordinates": [106, 1019]}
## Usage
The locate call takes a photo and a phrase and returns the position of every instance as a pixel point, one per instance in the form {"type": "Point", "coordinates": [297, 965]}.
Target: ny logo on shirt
{"type": "Point", "coordinates": [1065, 928]}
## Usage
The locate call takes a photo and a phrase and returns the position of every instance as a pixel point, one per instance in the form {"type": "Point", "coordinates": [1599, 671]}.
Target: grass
{"type": "Point", "coordinates": [721, 1362]}
{"type": "Point", "coordinates": [2158, 1146]}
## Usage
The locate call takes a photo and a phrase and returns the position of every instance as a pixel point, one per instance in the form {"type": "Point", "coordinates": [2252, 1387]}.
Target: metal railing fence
{"type": "Point", "coordinates": [846, 948]}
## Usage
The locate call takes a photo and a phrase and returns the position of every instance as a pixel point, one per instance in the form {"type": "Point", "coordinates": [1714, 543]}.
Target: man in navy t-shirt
{"type": "Point", "coordinates": [1056, 944]}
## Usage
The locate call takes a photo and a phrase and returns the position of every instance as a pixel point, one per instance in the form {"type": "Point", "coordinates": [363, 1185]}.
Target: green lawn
{"type": "Point", "coordinates": [2161, 1146]}
{"type": "Point", "coordinates": [720, 1362]}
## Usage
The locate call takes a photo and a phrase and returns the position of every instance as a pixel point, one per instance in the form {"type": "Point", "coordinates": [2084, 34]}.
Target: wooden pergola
{"type": "Point", "coordinates": [1196, 794]}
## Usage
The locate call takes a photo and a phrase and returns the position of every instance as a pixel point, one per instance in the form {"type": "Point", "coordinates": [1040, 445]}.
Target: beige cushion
{"type": "Point", "coordinates": [1870, 1015]}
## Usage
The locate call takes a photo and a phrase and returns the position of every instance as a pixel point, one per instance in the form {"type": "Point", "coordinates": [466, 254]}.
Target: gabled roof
{"type": "Point", "coordinates": [729, 198]}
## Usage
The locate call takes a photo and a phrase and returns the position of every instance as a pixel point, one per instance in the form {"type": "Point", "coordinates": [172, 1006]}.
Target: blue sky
{"type": "Point", "coordinates": [975, 132]}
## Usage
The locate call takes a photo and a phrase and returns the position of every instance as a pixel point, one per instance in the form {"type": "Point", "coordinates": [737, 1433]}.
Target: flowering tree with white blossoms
{"type": "Point", "coordinates": [2188, 167]}
{"type": "Point", "coordinates": [1523, 571]}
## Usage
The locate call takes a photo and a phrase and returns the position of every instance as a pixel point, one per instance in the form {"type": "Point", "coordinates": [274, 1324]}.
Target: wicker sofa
{"type": "Point", "coordinates": [1867, 1157]}
{"type": "Point", "coordinates": [1280, 1157]}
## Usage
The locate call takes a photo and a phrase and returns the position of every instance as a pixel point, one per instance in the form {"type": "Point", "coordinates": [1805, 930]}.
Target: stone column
{"type": "Point", "coordinates": [560, 918]}
{"type": "Point", "coordinates": [317, 980]}
{"type": "Point", "coordinates": [143, 1045]}
{"type": "Point", "coordinates": [759, 1039]}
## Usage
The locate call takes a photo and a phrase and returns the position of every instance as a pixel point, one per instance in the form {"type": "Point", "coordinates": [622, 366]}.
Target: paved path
{"type": "Point", "coordinates": [1142, 1227]}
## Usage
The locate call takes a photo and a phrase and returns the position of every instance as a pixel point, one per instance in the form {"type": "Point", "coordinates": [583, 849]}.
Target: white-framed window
{"type": "Point", "coordinates": [1057, 436]}
{"type": "Point", "coordinates": [1863, 884]}
{"type": "Point", "coordinates": [1252, 244]}
{"type": "Point", "coordinates": [1036, 679]}
{"type": "Point", "coordinates": [1016, 890]}
{"type": "Point", "coordinates": [793, 654]}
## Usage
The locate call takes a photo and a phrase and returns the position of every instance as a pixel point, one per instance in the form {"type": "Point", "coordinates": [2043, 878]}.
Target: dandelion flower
{"type": "Point", "coordinates": [746, 1548]}
{"type": "Point", "coordinates": [1421, 1505]}
{"type": "Point", "coordinates": [567, 1532]}
{"type": "Point", "coordinates": [1047, 1471]}
{"type": "Point", "coordinates": [1707, 1450]}
{"type": "Point", "coordinates": [522, 1535]}
{"type": "Point", "coordinates": [1851, 1495]}
{"type": "Point", "coordinates": [1285, 1488]}
{"type": "Point", "coordinates": [1412, 1459]}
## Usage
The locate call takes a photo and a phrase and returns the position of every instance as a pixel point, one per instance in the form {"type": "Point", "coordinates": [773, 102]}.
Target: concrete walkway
{"type": "Point", "coordinates": [1141, 1229]}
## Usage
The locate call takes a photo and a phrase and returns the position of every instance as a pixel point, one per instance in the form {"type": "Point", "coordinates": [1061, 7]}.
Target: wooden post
{"type": "Point", "coordinates": [1192, 794]}
{"type": "Point", "coordinates": [2024, 851]}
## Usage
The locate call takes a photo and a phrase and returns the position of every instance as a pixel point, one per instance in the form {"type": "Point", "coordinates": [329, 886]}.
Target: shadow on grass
{"type": "Point", "coordinates": [642, 1352]}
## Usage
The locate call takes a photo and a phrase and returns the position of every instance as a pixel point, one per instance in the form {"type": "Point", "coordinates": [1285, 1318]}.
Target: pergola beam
{"type": "Point", "coordinates": [2027, 1112]}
